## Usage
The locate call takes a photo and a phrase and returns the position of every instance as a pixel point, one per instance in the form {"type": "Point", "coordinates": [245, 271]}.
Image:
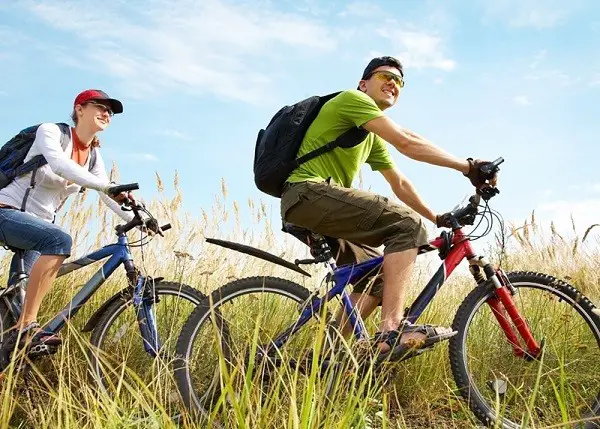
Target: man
{"type": "Point", "coordinates": [318, 196]}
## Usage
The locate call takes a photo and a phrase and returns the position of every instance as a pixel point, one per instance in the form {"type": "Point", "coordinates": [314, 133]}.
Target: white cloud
{"type": "Point", "coordinates": [538, 58]}
{"type": "Point", "coordinates": [361, 9]}
{"type": "Point", "coordinates": [523, 100]}
{"type": "Point", "coordinates": [171, 133]}
{"type": "Point", "coordinates": [528, 13]}
{"type": "Point", "coordinates": [585, 213]}
{"type": "Point", "coordinates": [417, 48]}
{"type": "Point", "coordinates": [148, 157]}
{"type": "Point", "coordinates": [438, 81]}
{"type": "Point", "coordinates": [204, 46]}
{"type": "Point", "coordinates": [555, 76]}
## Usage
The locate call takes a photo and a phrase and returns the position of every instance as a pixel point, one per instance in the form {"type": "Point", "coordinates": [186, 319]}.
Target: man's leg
{"type": "Point", "coordinates": [362, 217]}
{"type": "Point", "coordinates": [365, 304]}
{"type": "Point", "coordinates": [367, 292]}
{"type": "Point", "coordinates": [397, 271]}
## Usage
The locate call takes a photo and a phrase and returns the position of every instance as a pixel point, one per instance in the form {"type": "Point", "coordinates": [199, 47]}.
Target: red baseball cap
{"type": "Point", "coordinates": [95, 94]}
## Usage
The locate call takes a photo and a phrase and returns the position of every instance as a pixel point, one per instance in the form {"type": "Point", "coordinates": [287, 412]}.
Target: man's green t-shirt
{"type": "Point", "coordinates": [349, 109]}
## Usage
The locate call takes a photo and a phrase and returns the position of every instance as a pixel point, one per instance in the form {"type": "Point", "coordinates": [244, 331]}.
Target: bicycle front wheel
{"type": "Point", "coordinates": [560, 386]}
{"type": "Point", "coordinates": [226, 345]}
{"type": "Point", "coordinates": [119, 361]}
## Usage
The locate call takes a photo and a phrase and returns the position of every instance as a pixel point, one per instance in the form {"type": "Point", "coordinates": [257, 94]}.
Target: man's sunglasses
{"type": "Point", "coordinates": [103, 107]}
{"type": "Point", "coordinates": [387, 76]}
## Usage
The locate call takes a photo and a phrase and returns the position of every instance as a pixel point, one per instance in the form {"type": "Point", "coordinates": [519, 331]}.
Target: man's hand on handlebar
{"type": "Point", "coordinates": [482, 173]}
{"type": "Point", "coordinates": [444, 220]}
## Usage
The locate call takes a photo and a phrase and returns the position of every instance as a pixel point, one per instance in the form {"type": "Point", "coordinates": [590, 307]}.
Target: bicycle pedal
{"type": "Point", "coordinates": [414, 353]}
{"type": "Point", "coordinates": [41, 350]}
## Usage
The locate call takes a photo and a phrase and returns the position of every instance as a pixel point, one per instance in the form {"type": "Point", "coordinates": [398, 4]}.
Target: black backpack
{"type": "Point", "coordinates": [13, 153]}
{"type": "Point", "coordinates": [277, 145]}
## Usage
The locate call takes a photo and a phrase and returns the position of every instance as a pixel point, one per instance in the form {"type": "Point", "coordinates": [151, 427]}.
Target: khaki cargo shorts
{"type": "Point", "coordinates": [355, 222]}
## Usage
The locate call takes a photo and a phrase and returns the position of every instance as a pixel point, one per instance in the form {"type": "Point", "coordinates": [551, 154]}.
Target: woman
{"type": "Point", "coordinates": [27, 216]}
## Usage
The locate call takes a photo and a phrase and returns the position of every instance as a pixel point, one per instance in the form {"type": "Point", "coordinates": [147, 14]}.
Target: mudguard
{"type": "Point", "coordinates": [253, 251]}
{"type": "Point", "coordinates": [91, 323]}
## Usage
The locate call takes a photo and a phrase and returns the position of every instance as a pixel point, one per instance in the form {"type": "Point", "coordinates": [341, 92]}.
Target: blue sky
{"type": "Point", "coordinates": [198, 79]}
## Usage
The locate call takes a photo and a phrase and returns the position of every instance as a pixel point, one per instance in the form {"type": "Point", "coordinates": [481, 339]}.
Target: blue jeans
{"type": "Point", "coordinates": [36, 236]}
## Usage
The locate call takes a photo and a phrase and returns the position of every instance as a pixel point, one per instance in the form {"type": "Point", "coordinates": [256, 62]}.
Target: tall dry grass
{"type": "Point", "coordinates": [59, 391]}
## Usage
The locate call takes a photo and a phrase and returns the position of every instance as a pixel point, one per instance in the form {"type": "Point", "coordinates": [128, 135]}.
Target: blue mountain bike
{"type": "Point", "coordinates": [526, 352]}
{"type": "Point", "coordinates": [131, 330]}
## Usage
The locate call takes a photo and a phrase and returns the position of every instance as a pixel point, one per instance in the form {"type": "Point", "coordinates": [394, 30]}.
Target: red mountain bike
{"type": "Point", "coordinates": [526, 352]}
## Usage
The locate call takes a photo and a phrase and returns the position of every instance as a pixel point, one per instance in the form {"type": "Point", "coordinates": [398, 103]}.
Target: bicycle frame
{"type": "Point", "coordinates": [118, 254]}
{"type": "Point", "coordinates": [460, 249]}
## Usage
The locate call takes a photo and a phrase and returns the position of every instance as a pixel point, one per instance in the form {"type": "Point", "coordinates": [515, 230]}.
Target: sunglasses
{"type": "Point", "coordinates": [102, 107]}
{"type": "Point", "coordinates": [387, 76]}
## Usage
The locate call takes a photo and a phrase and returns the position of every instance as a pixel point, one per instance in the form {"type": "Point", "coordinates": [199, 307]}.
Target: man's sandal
{"type": "Point", "coordinates": [413, 347]}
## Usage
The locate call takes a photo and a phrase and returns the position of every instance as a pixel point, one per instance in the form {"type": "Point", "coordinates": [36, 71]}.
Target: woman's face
{"type": "Point", "coordinates": [95, 115]}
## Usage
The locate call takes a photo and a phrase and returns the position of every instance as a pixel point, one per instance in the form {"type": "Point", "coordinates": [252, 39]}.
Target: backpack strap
{"type": "Point", "coordinates": [353, 137]}
{"type": "Point", "coordinates": [39, 160]}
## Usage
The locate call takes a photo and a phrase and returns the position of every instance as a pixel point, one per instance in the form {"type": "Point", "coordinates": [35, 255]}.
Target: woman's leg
{"type": "Point", "coordinates": [28, 232]}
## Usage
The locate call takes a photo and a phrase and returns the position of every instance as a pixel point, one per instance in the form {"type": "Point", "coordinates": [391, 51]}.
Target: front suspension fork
{"type": "Point", "coordinates": [502, 305]}
{"type": "Point", "coordinates": [143, 303]}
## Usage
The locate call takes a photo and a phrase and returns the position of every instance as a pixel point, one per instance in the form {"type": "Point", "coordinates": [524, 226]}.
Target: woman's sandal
{"type": "Point", "coordinates": [413, 347]}
{"type": "Point", "coordinates": [30, 336]}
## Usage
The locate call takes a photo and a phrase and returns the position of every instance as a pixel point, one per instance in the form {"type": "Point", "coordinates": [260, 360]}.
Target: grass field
{"type": "Point", "coordinates": [59, 391]}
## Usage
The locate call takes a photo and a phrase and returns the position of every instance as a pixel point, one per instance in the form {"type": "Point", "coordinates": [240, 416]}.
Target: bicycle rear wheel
{"type": "Point", "coordinates": [219, 350]}
{"type": "Point", "coordinates": [560, 386]}
{"type": "Point", "coordinates": [7, 320]}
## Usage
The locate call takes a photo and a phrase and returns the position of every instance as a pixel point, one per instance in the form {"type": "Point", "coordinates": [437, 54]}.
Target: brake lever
{"type": "Point", "coordinates": [460, 204]}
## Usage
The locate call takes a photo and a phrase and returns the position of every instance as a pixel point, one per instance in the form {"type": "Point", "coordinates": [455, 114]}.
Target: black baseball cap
{"type": "Point", "coordinates": [382, 61]}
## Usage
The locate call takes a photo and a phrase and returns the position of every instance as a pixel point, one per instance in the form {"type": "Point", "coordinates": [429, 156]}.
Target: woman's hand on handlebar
{"type": "Point", "coordinates": [124, 198]}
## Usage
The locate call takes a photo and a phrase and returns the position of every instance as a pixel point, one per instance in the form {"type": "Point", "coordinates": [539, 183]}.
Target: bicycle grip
{"type": "Point", "coordinates": [491, 167]}
{"type": "Point", "coordinates": [117, 189]}
{"type": "Point", "coordinates": [165, 227]}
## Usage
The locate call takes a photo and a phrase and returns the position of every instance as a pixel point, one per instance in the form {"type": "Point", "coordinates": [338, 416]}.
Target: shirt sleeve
{"type": "Point", "coordinates": [47, 142]}
{"type": "Point", "coordinates": [99, 171]}
{"type": "Point", "coordinates": [379, 157]}
{"type": "Point", "coordinates": [357, 108]}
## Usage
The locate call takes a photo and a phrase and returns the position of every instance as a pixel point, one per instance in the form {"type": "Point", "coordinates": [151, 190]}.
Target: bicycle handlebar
{"type": "Point", "coordinates": [466, 215]}
{"type": "Point", "coordinates": [113, 191]}
{"type": "Point", "coordinates": [490, 169]}
{"type": "Point", "coordinates": [150, 223]}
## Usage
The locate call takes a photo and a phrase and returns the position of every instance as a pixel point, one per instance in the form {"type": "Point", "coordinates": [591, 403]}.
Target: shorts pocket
{"type": "Point", "coordinates": [303, 207]}
{"type": "Point", "coordinates": [372, 213]}
{"type": "Point", "coordinates": [288, 200]}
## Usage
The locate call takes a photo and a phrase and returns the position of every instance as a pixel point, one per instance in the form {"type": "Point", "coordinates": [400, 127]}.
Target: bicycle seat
{"type": "Point", "coordinates": [12, 249]}
{"type": "Point", "coordinates": [299, 232]}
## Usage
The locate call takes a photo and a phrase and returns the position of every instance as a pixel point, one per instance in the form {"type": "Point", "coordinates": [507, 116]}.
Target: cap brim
{"type": "Point", "coordinates": [115, 105]}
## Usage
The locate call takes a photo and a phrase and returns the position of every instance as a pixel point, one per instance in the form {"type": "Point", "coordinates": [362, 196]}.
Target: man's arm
{"type": "Point", "coordinates": [407, 193]}
{"type": "Point", "coordinates": [413, 145]}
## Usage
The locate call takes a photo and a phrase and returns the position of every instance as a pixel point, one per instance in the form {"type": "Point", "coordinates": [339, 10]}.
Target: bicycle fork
{"type": "Point", "coordinates": [503, 305]}
{"type": "Point", "coordinates": [143, 303]}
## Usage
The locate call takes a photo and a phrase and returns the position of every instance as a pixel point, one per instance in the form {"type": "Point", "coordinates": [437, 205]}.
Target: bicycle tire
{"type": "Point", "coordinates": [201, 314]}
{"type": "Point", "coordinates": [561, 290]}
{"type": "Point", "coordinates": [7, 320]}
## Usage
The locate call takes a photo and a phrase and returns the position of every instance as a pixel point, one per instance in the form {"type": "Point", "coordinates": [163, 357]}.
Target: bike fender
{"type": "Point", "coordinates": [91, 323]}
